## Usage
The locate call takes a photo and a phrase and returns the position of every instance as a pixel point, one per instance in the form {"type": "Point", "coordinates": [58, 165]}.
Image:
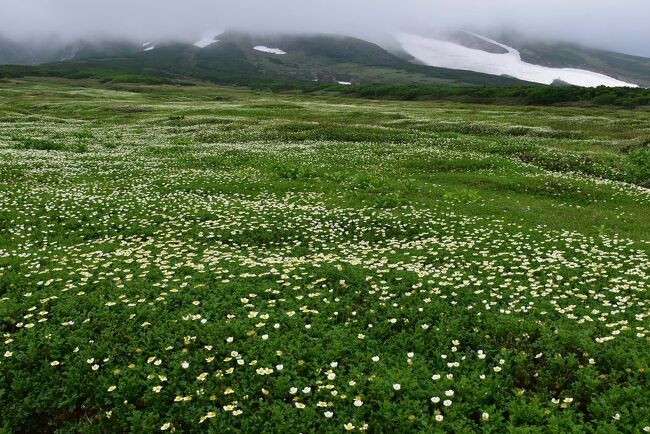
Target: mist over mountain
{"type": "Point", "coordinates": [579, 21]}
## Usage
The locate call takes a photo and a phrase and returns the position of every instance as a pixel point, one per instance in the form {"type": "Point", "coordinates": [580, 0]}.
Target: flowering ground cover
{"type": "Point", "coordinates": [205, 259]}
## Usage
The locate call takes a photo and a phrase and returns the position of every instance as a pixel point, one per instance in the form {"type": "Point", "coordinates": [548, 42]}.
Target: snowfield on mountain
{"type": "Point", "coordinates": [265, 49]}
{"type": "Point", "coordinates": [207, 40]}
{"type": "Point", "coordinates": [447, 54]}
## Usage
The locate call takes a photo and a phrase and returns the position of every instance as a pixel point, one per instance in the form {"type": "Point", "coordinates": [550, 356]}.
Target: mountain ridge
{"type": "Point", "coordinates": [328, 58]}
{"type": "Point", "coordinates": [333, 59]}
{"type": "Point", "coordinates": [479, 53]}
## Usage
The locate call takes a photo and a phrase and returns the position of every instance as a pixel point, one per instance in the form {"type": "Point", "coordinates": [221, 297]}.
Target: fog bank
{"type": "Point", "coordinates": [620, 25]}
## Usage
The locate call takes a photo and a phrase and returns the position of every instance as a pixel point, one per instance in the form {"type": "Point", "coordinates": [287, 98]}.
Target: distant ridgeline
{"type": "Point", "coordinates": [342, 65]}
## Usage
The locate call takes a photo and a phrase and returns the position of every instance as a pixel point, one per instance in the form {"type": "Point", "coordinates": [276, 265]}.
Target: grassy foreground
{"type": "Point", "coordinates": [212, 260]}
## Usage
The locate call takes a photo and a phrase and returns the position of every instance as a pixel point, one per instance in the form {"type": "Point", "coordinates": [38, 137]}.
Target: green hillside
{"type": "Point", "coordinates": [232, 60]}
{"type": "Point", "coordinates": [309, 58]}
{"type": "Point", "coordinates": [567, 55]}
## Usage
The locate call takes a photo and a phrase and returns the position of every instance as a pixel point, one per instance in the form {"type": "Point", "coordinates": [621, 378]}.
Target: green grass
{"type": "Point", "coordinates": [214, 259]}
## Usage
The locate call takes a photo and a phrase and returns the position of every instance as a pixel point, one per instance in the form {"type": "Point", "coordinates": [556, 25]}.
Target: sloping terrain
{"type": "Point", "coordinates": [562, 54]}
{"type": "Point", "coordinates": [448, 59]}
{"type": "Point", "coordinates": [235, 59]}
{"type": "Point", "coordinates": [481, 54]}
{"type": "Point", "coordinates": [29, 53]}
{"type": "Point", "coordinates": [36, 52]}
{"type": "Point", "coordinates": [565, 55]}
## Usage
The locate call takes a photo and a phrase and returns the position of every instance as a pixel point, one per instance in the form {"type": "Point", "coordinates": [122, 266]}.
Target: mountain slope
{"type": "Point", "coordinates": [28, 53]}
{"type": "Point", "coordinates": [566, 55]}
{"type": "Point", "coordinates": [474, 52]}
{"type": "Point", "coordinates": [36, 52]}
{"type": "Point", "coordinates": [452, 59]}
{"type": "Point", "coordinates": [238, 58]}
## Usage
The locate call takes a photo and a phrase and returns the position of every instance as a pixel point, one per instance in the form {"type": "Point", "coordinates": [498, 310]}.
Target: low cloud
{"type": "Point", "coordinates": [614, 24]}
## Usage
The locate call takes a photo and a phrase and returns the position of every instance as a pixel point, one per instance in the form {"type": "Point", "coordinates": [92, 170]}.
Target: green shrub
{"type": "Point", "coordinates": [39, 144]}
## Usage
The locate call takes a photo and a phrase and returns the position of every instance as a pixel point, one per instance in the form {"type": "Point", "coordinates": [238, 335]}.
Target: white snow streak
{"type": "Point", "coordinates": [206, 41]}
{"type": "Point", "coordinates": [264, 49]}
{"type": "Point", "coordinates": [445, 54]}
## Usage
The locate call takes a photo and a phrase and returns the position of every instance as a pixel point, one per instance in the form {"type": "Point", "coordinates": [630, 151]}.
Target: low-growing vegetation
{"type": "Point", "coordinates": [532, 95]}
{"type": "Point", "coordinates": [471, 92]}
{"type": "Point", "coordinates": [208, 259]}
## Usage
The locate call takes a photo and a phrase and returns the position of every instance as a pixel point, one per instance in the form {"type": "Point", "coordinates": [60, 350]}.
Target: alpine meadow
{"type": "Point", "coordinates": [282, 216]}
{"type": "Point", "coordinates": [212, 259]}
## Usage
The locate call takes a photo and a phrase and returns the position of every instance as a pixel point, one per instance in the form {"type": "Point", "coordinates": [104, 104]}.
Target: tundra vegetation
{"type": "Point", "coordinates": [206, 259]}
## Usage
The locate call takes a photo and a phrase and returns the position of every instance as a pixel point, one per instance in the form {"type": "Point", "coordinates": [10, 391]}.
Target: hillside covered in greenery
{"type": "Point", "coordinates": [320, 59]}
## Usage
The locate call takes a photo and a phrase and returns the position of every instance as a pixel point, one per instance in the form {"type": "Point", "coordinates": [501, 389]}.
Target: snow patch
{"type": "Point", "coordinates": [346, 83]}
{"type": "Point", "coordinates": [446, 54]}
{"type": "Point", "coordinates": [264, 49]}
{"type": "Point", "coordinates": [68, 57]}
{"type": "Point", "coordinates": [148, 46]}
{"type": "Point", "coordinates": [207, 40]}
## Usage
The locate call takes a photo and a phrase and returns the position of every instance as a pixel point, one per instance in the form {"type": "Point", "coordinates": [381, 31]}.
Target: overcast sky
{"type": "Point", "coordinates": [621, 25]}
